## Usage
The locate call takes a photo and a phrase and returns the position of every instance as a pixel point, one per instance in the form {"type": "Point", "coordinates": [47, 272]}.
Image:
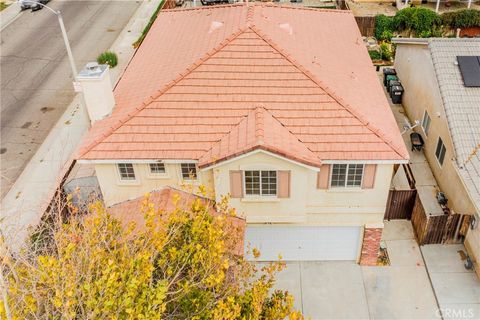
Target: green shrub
{"type": "Point", "coordinates": [416, 19]}
{"type": "Point", "coordinates": [375, 55]}
{"type": "Point", "coordinates": [383, 27]}
{"type": "Point", "coordinates": [386, 51]}
{"type": "Point", "coordinates": [462, 18]}
{"type": "Point", "coordinates": [387, 35]}
{"type": "Point", "coordinates": [108, 57]}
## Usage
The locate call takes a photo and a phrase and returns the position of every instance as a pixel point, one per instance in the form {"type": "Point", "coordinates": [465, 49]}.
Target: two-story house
{"type": "Point", "coordinates": [278, 107]}
{"type": "Point", "coordinates": [442, 90]}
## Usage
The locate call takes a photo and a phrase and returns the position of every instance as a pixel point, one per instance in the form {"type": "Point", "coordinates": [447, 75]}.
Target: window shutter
{"type": "Point", "coordinates": [236, 184]}
{"type": "Point", "coordinates": [283, 184]}
{"type": "Point", "coordinates": [369, 176]}
{"type": "Point", "coordinates": [323, 177]}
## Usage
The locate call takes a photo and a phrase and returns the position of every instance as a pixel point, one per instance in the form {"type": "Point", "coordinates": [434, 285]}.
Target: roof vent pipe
{"type": "Point", "coordinates": [458, 33]}
{"type": "Point", "coordinates": [96, 86]}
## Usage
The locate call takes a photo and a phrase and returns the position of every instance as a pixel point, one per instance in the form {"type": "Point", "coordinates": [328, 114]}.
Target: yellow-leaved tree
{"type": "Point", "coordinates": [180, 264]}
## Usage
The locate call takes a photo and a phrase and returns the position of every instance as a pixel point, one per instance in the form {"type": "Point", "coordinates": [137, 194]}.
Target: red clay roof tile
{"type": "Point", "coordinates": [194, 93]}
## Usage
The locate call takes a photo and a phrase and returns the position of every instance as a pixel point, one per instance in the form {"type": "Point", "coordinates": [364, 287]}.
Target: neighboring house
{"type": "Point", "coordinates": [442, 91]}
{"type": "Point", "coordinates": [278, 107]}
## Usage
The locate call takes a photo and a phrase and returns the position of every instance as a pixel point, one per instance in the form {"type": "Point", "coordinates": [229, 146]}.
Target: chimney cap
{"type": "Point", "coordinates": [92, 70]}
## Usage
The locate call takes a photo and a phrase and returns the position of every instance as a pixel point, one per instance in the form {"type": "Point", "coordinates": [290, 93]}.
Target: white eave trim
{"type": "Point", "coordinates": [221, 163]}
{"type": "Point", "coordinates": [139, 161]}
{"type": "Point", "coordinates": [364, 161]}
{"type": "Point", "coordinates": [420, 41]}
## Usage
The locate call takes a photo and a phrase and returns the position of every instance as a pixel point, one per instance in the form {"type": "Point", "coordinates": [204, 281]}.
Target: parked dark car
{"type": "Point", "coordinates": [37, 5]}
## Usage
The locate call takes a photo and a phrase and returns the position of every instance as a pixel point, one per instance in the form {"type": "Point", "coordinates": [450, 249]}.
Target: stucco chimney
{"type": "Point", "coordinates": [97, 91]}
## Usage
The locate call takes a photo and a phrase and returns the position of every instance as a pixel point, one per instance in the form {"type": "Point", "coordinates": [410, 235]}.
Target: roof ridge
{"type": "Point", "coordinates": [343, 103]}
{"type": "Point", "coordinates": [161, 91]}
{"type": "Point", "coordinates": [259, 125]}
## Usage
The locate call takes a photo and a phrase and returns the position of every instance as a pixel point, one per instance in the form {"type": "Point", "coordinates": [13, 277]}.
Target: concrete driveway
{"type": "Point", "coordinates": [457, 289]}
{"type": "Point", "coordinates": [345, 290]}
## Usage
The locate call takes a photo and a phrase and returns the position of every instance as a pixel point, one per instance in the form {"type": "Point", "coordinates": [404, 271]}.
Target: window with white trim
{"type": "Point", "coordinates": [346, 175]}
{"type": "Point", "coordinates": [157, 168]}
{"type": "Point", "coordinates": [426, 122]}
{"type": "Point", "coordinates": [189, 171]}
{"type": "Point", "coordinates": [440, 151]}
{"type": "Point", "coordinates": [126, 171]}
{"type": "Point", "coordinates": [260, 182]}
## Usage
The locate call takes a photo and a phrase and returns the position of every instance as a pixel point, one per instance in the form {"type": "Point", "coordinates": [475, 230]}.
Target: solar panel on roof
{"type": "Point", "coordinates": [470, 69]}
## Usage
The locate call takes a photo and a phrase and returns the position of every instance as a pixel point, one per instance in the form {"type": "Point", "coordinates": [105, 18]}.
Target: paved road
{"type": "Point", "coordinates": [36, 81]}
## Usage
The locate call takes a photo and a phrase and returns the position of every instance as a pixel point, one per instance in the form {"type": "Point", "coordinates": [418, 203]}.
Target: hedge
{"type": "Point", "coordinates": [423, 22]}
{"type": "Point", "coordinates": [462, 18]}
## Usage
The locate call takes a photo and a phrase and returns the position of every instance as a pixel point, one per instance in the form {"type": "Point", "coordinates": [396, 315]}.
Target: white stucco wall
{"type": "Point", "coordinates": [115, 190]}
{"type": "Point", "coordinates": [306, 204]}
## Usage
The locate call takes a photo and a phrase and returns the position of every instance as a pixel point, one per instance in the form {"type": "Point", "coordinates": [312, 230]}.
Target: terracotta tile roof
{"type": "Point", "coordinates": [164, 202]}
{"type": "Point", "coordinates": [259, 130]}
{"type": "Point", "coordinates": [194, 92]}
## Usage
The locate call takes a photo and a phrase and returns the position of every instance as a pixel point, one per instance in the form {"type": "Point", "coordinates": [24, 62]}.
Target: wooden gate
{"type": "Point", "coordinates": [437, 229]}
{"type": "Point", "coordinates": [400, 204]}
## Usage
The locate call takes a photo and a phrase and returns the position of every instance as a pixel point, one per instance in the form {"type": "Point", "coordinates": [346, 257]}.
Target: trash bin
{"type": "Point", "coordinates": [387, 72]}
{"type": "Point", "coordinates": [392, 83]}
{"type": "Point", "coordinates": [390, 77]}
{"type": "Point", "coordinates": [397, 93]}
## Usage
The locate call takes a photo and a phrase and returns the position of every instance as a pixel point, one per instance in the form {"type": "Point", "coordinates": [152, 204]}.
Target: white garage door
{"type": "Point", "coordinates": [304, 243]}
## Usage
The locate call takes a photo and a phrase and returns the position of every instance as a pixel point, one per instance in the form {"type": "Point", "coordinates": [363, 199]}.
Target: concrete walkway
{"type": "Point", "coordinates": [345, 290]}
{"type": "Point", "coordinates": [457, 289]}
{"type": "Point", "coordinates": [29, 197]}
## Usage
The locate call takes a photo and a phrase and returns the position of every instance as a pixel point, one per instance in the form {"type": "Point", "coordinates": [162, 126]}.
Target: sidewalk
{"type": "Point", "coordinates": [9, 14]}
{"type": "Point", "coordinates": [27, 200]}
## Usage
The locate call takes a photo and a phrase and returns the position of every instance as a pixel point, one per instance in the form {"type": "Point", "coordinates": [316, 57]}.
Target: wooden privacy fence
{"type": "Point", "coordinates": [400, 204]}
{"type": "Point", "coordinates": [436, 229]}
{"type": "Point", "coordinates": [366, 26]}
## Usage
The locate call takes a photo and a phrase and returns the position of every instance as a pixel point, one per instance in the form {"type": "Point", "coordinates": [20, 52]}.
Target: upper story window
{"type": "Point", "coordinates": [126, 171]}
{"type": "Point", "coordinates": [426, 122]}
{"type": "Point", "coordinates": [189, 171]}
{"type": "Point", "coordinates": [346, 175]}
{"type": "Point", "coordinates": [157, 168]}
{"type": "Point", "coordinates": [440, 151]}
{"type": "Point", "coordinates": [261, 183]}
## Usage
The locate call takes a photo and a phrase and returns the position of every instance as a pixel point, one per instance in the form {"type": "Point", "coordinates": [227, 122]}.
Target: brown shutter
{"type": "Point", "coordinates": [284, 184]}
{"type": "Point", "coordinates": [323, 177]}
{"type": "Point", "coordinates": [369, 176]}
{"type": "Point", "coordinates": [236, 184]}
